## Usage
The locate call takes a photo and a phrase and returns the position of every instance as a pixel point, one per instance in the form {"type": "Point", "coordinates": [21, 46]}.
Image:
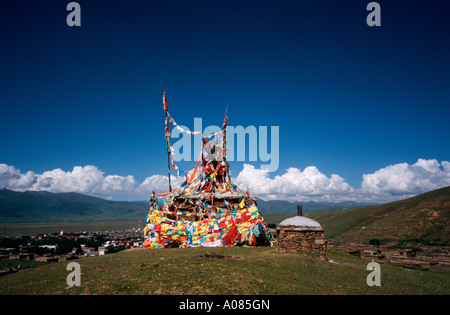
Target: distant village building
{"type": "Point", "coordinates": [54, 247]}
{"type": "Point", "coordinates": [301, 233]}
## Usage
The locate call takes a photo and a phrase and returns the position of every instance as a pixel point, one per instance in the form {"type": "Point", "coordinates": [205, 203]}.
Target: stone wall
{"type": "Point", "coordinates": [292, 240]}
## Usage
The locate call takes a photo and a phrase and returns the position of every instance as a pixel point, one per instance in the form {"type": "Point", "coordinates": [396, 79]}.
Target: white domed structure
{"type": "Point", "coordinates": [302, 223]}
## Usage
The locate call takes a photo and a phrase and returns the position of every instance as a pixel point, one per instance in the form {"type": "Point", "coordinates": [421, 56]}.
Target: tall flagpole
{"type": "Point", "coordinates": [167, 133]}
{"type": "Point", "coordinates": [224, 135]}
{"type": "Point", "coordinates": [224, 152]}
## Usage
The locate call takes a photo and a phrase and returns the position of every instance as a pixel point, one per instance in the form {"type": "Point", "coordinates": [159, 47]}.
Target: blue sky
{"type": "Point", "coordinates": [349, 99]}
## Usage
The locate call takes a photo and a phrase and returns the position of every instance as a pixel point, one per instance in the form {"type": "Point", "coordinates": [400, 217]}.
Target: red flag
{"type": "Point", "coordinates": [224, 125]}
{"type": "Point", "coordinates": [167, 131]}
{"type": "Point", "coordinates": [229, 238]}
{"type": "Point", "coordinates": [165, 101]}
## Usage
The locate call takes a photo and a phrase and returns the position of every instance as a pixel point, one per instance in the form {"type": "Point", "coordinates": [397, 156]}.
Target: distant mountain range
{"type": "Point", "coordinates": [287, 206]}
{"type": "Point", "coordinates": [41, 206]}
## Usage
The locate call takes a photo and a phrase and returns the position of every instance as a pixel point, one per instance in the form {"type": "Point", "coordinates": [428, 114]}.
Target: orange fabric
{"type": "Point", "coordinates": [165, 101]}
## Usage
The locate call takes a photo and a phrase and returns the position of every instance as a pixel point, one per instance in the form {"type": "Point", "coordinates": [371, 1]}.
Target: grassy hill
{"type": "Point", "coordinates": [422, 218]}
{"type": "Point", "coordinates": [327, 211]}
{"type": "Point", "coordinates": [222, 271]}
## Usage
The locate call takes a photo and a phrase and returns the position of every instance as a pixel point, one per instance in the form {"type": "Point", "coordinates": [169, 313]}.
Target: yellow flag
{"type": "Point", "coordinates": [242, 204]}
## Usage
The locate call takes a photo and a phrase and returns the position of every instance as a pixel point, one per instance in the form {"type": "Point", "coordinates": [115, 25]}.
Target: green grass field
{"type": "Point", "coordinates": [241, 271]}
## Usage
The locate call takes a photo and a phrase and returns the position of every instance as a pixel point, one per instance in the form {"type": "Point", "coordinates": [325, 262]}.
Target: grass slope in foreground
{"type": "Point", "coordinates": [421, 218]}
{"type": "Point", "coordinates": [241, 270]}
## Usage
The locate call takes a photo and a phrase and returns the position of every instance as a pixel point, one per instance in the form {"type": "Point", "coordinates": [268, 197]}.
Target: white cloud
{"type": "Point", "coordinates": [115, 185]}
{"type": "Point", "coordinates": [390, 183]}
{"type": "Point", "coordinates": [294, 184]}
{"type": "Point", "coordinates": [7, 173]}
{"type": "Point", "coordinates": [393, 182]}
{"type": "Point", "coordinates": [87, 179]}
{"type": "Point", "coordinates": [82, 179]}
{"type": "Point", "coordinates": [405, 179]}
{"type": "Point", "coordinates": [158, 183]}
{"type": "Point", "coordinates": [22, 181]}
